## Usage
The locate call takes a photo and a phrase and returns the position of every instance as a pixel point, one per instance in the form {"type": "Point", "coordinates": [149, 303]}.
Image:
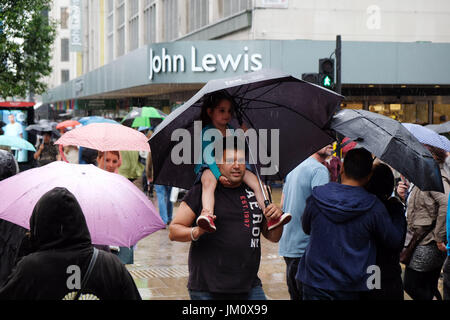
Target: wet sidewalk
{"type": "Point", "coordinates": [160, 266]}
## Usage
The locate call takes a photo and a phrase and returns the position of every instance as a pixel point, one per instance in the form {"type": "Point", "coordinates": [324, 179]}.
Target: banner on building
{"type": "Point", "coordinates": [76, 31]}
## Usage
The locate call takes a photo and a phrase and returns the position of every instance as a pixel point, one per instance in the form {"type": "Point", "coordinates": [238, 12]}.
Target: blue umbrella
{"type": "Point", "coordinates": [95, 119]}
{"type": "Point", "coordinates": [427, 136]}
{"type": "Point", "coordinates": [16, 142]}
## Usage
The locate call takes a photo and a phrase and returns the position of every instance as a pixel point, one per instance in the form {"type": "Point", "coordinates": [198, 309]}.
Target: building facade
{"type": "Point", "coordinates": [160, 52]}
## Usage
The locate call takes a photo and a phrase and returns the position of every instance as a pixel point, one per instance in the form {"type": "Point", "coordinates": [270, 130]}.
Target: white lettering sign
{"type": "Point", "coordinates": [75, 26]}
{"type": "Point", "coordinates": [165, 63]}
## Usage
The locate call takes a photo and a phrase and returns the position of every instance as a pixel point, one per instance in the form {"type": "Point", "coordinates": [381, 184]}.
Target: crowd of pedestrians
{"type": "Point", "coordinates": [344, 226]}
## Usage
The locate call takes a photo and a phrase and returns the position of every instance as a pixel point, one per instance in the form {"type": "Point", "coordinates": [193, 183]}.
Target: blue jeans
{"type": "Point", "coordinates": [164, 204]}
{"type": "Point", "coordinates": [256, 293]}
{"type": "Point", "coordinates": [311, 293]}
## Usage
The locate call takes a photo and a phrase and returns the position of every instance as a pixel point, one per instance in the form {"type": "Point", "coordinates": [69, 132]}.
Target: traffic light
{"type": "Point", "coordinates": [326, 72]}
{"type": "Point", "coordinates": [311, 77]}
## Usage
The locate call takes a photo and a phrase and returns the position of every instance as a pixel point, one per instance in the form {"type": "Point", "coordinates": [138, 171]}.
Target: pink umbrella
{"type": "Point", "coordinates": [116, 211]}
{"type": "Point", "coordinates": [106, 137]}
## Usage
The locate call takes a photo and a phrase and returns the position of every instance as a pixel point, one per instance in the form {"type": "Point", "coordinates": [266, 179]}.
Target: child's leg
{"type": "Point", "coordinates": [251, 180]}
{"type": "Point", "coordinates": [209, 184]}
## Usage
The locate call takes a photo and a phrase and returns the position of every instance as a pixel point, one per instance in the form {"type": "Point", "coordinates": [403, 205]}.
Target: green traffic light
{"type": "Point", "coordinates": [327, 81]}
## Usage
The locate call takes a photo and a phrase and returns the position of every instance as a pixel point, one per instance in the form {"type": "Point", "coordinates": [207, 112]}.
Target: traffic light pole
{"type": "Point", "coordinates": [338, 65]}
{"type": "Point", "coordinates": [338, 88]}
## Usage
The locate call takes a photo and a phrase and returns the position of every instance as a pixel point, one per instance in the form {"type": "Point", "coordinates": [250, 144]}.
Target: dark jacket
{"type": "Point", "coordinates": [59, 239]}
{"type": "Point", "coordinates": [345, 223]}
{"type": "Point", "coordinates": [10, 234]}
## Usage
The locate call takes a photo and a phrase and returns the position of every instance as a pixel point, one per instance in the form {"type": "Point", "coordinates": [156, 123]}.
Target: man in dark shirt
{"type": "Point", "coordinates": [224, 264]}
{"type": "Point", "coordinates": [47, 152]}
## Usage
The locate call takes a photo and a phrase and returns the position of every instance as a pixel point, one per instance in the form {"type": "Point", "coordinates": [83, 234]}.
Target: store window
{"type": "Point", "coordinates": [198, 14]}
{"type": "Point", "coordinates": [133, 24]}
{"type": "Point", "coordinates": [170, 19]}
{"type": "Point", "coordinates": [120, 9]}
{"type": "Point", "coordinates": [150, 22]}
{"type": "Point", "coordinates": [441, 113]}
{"type": "Point", "coordinates": [352, 105]}
{"type": "Point", "coordinates": [110, 30]}
{"type": "Point", "coordinates": [64, 17]}
{"type": "Point", "coordinates": [64, 49]}
{"type": "Point", "coordinates": [230, 7]}
{"type": "Point", "coordinates": [65, 75]}
{"type": "Point", "coordinates": [412, 113]}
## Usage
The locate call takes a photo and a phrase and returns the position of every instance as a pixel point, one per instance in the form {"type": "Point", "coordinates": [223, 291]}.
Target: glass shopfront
{"type": "Point", "coordinates": [418, 112]}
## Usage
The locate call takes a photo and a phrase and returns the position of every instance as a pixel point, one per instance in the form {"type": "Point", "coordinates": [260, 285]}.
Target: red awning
{"type": "Point", "coordinates": [15, 104]}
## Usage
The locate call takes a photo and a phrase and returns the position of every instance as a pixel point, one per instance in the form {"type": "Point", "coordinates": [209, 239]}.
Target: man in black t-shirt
{"type": "Point", "coordinates": [224, 264]}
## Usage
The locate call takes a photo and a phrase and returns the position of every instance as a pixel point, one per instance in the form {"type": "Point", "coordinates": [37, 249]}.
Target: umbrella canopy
{"type": "Point", "coordinates": [95, 119]}
{"type": "Point", "coordinates": [42, 127]}
{"type": "Point", "coordinates": [440, 128]}
{"type": "Point", "coordinates": [392, 143]}
{"type": "Point", "coordinates": [16, 142]}
{"type": "Point", "coordinates": [105, 137]}
{"type": "Point", "coordinates": [144, 117]}
{"type": "Point", "coordinates": [68, 124]}
{"type": "Point", "coordinates": [267, 99]}
{"type": "Point", "coordinates": [116, 211]}
{"type": "Point", "coordinates": [427, 136]}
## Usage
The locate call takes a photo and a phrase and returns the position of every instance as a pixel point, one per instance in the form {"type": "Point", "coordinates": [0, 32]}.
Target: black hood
{"type": "Point", "coordinates": [58, 222]}
{"type": "Point", "coordinates": [341, 203]}
{"type": "Point", "coordinates": [8, 165]}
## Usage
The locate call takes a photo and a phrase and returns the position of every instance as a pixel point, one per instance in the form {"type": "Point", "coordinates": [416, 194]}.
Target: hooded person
{"type": "Point", "coordinates": [345, 222]}
{"type": "Point", "coordinates": [57, 253]}
{"type": "Point", "coordinates": [10, 234]}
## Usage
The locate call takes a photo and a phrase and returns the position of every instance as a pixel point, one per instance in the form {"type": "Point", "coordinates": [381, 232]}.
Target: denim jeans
{"type": "Point", "coordinates": [311, 293]}
{"type": "Point", "coordinates": [256, 293]}
{"type": "Point", "coordinates": [295, 287]}
{"type": "Point", "coordinates": [164, 204]}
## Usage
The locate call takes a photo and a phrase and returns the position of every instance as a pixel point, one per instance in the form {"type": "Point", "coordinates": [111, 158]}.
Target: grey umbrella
{"type": "Point", "coordinates": [392, 143]}
{"type": "Point", "coordinates": [266, 99]}
{"type": "Point", "coordinates": [440, 128]}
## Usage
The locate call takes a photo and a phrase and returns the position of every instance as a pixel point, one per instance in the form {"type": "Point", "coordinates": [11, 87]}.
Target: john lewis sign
{"type": "Point", "coordinates": [163, 61]}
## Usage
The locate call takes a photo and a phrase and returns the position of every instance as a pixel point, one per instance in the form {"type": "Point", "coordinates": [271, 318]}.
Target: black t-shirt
{"type": "Point", "coordinates": [227, 261]}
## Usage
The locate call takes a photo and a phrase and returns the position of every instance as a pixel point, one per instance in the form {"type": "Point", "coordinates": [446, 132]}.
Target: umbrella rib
{"type": "Point", "coordinates": [274, 86]}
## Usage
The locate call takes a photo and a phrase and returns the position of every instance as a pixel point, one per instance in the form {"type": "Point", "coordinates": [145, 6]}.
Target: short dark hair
{"type": "Point", "coordinates": [358, 164]}
{"type": "Point", "coordinates": [382, 181]}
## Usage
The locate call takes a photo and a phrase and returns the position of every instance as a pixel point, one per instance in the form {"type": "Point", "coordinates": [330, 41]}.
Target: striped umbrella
{"type": "Point", "coordinates": [427, 136]}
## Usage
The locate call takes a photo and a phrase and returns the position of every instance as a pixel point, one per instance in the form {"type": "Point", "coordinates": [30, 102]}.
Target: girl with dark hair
{"type": "Point", "coordinates": [217, 112]}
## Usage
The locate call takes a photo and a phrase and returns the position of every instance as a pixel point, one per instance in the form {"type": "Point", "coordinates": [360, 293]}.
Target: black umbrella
{"type": "Point", "coordinates": [264, 100]}
{"type": "Point", "coordinates": [392, 143]}
{"type": "Point", "coordinates": [44, 126]}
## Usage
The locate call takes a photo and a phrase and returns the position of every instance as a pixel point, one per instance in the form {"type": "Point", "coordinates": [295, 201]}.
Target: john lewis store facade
{"type": "Point", "coordinates": [409, 81]}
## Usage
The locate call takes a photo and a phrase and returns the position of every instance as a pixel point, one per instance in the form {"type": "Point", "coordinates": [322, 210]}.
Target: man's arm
{"type": "Point", "coordinates": [181, 227]}
{"type": "Point", "coordinates": [389, 230]}
{"type": "Point", "coordinates": [440, 231]}
{"type": "Point", "coordinates": [272, 211]}
{"type": "Point", "coordinates": [306, 217]}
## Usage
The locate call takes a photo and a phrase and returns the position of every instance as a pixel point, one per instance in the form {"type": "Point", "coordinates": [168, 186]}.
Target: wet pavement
{"type": "Point", "coordinates": [160, 266]}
